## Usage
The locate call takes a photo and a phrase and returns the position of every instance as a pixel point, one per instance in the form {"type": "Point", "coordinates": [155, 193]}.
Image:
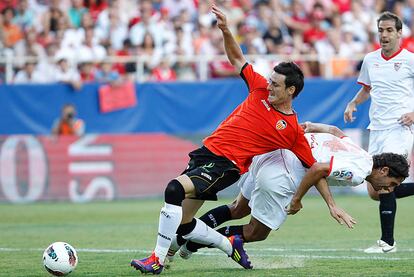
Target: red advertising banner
{"type": "Point", "coordinates": [81, 169]}
{"type": "Point", "coordinates": [118, 96]}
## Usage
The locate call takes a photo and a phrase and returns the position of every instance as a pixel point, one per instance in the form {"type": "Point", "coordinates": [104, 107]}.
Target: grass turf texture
{"type": "Point", "coordinates": [107, 235]}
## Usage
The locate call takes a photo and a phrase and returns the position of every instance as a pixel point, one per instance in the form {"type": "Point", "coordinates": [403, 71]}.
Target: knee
{"type": "Point", "coordinates": [238, 210]}
{"type": "Point", "coordinates": [174, 193]}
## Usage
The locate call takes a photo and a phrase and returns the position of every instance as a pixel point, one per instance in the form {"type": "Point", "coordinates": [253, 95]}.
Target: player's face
{"type": "Point", "coordinates": [386, 183]}
{"type": "Point", "coordinates": [388, 35]}
{"type": "Point", "coordinates": [278, 93]}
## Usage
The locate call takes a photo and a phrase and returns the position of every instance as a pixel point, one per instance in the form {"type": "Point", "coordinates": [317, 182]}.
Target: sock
{"type": "Point", "coordinates": [404, 190]}
{"type": "Point", "coordinates": [217, 216]}
{"type": "Point", "coordinates": [229, 231]}
{"type": "Point", "coordinates": [206, 235]}
{"type": "Point", "coordinates": [387, 209]}
{"type": "Point", "coordinates": [170, 219]}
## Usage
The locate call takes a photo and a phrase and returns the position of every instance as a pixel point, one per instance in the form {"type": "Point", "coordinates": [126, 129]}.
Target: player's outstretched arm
{"type": "Point", "coordinates": [337, 213]}
{"type": "Point", "coordinates": [360, 97]}
{"type": "Point", "coordinates": [314, 174]}
{"type": "Point", "coordinates": [233, 51]}
{"type": "Point", "coordinates": [310, 127]}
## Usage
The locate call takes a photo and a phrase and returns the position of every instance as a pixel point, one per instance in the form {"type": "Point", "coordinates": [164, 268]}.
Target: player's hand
{"type": "Point", "coordinates": [406, 119]}
{"type": "Point", "coordinates": [306, 126]}
{"type": "Point", "coordinates": [350, 109]}
{"type": "Point", "coordinates": [293, 207]}
{"type": "Point", "coordinates": [342, 217]}
{"type": "Point", "coordinates": [221, 18]}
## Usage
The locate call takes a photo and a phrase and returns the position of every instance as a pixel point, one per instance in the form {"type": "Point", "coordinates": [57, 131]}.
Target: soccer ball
{"type": "Point", "coordinates": [60, 258]}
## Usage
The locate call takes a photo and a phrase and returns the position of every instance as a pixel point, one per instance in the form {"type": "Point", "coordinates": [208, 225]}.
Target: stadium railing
{"type": "Point", "coordinates": [10, 63]}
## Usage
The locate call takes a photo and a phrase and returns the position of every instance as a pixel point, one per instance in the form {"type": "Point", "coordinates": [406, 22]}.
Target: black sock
{"type": "Point", "coordinates": [226, 231]}
{"type": "Point", "coordinates": [404, 190]}
{"type": "Point", "coordinates": [387, 209]}
{"type": "Point", "coordinates": [186, 228]}
{"type": "Point", "coordinates": [229, 231]}
{"type": "Point", "coordinates": [216, 216]}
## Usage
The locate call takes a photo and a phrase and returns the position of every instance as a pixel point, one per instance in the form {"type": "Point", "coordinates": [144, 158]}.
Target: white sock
{"type": "Point", "coordinates": [170, 219]}
{"type": "Point", "coordinates": [206, 235]}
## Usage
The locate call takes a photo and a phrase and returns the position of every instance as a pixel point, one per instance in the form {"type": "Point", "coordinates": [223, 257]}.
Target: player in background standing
{"type": "Point", "coordinates": [387, 76]}
{"type": "Point", "coordinates": [264, 122]}
{"type": "Point", "coordinates": [275, 178]}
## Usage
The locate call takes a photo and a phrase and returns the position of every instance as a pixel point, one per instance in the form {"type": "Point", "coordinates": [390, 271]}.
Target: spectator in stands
{"type": "Point", "coordinates": [86, 70]}
{"type": "Point", "coordinates": [24, 16]}
{"type": "Point", "coordinates": [48, 65]}
{"type": "Point", "coordinates": [147, 24]}
{"type": "Point", "coordinates": [126, 51]}
{"type": "Point", "coordinates": [11, 32]}
{"type": "Point", "coordinates": [75, 13]}
{"type": "Point", "coordinates": [106, 74]}
{"type": "Point", "coordinates": [175, 7]}
{"type": "Point", "coordinates": [273, 38]}
{"type": "Point", "coordinates": [51, 17]}
{"type": "Point", "coordinates": [28, 47]}
{"type": "Point", "coordinates": [221, 68]}
{"type": "Point", "coordinates": [114, 33]}
{"type": "Point", "coordinates": [90, 49]}
{"type": "Point", "coordinates": [148, 50]}
{"type": "Point", "coordinates": [95, 7]}
{"type": "Point", "coordinates": [163, 72]}
{"type": "Point", "coordinates": [67, 123]}
{"type": "Point", "coordinates": [66, 74]}
{"type": "Point", "coordinates": [29, 74]}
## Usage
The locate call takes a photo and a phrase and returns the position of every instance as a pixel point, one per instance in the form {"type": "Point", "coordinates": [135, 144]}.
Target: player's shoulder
{"type": "Point", "coordinates": [373, 55]}
{"type": "Point", "coordinates": [408, 54]}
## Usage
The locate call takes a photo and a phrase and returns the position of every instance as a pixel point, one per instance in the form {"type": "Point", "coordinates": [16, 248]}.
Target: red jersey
{"type": "Point", "coordinates": [255, 127]}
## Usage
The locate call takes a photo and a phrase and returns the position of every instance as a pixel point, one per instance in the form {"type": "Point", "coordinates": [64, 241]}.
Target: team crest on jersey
{"type": "Point", "coordinates": [397, 66]}
{"type": "Point", "coordinates": [281, 124]}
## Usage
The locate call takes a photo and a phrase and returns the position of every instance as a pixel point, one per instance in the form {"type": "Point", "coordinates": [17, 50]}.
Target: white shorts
{"type": "Point", "coordinates": [270, 184]}
{"type": "Point", "coordinates": [397, 140]}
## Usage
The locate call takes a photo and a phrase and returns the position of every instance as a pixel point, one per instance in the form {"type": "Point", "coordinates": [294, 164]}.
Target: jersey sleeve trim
{"type": "Point", "coordinates": [363, 84]}
{"type": "Point", "coordinates": [242, 75]}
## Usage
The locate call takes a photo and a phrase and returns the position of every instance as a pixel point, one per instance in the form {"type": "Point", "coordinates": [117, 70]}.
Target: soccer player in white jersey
{"type": "Point", "coordinates": [387, 76]}
{"type": "Point", "coordinates": [276, 178]}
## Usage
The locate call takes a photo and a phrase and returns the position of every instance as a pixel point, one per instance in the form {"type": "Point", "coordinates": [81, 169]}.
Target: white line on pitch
{"type": "Point", "coordinates": [210, 252]}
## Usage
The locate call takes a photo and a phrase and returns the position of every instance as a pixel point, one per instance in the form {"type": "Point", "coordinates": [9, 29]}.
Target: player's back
{"type": "Point", "coordinates": [349, 163]}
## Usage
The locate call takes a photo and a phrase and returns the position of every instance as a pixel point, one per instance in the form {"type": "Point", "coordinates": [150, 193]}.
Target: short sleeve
{"type": "Point", "coordinates": [302, 150]}
{"type": "Point", "coordinates": [363, 77]}
{"type": "Point", "coordinates": [252, 79]}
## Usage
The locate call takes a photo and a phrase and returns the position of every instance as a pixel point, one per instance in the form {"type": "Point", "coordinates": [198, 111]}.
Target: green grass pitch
{"type": "Point", "coordinates": [107, 235]}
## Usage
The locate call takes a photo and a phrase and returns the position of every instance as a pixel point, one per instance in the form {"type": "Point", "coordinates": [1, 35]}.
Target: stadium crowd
{"type": "Point", "coordinates": [100, 40]}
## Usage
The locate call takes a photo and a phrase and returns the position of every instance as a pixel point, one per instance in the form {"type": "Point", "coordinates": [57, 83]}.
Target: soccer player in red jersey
{"type": "Point", "coordinates": [264, 122]}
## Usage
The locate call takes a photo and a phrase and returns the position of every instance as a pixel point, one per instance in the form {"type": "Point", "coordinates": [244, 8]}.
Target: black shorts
{"type": "Point", "coordinates": [210, 173]}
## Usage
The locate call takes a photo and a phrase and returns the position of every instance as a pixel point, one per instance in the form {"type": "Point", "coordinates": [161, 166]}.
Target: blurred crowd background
{"type": "Point", "coordinates": [44, 41]}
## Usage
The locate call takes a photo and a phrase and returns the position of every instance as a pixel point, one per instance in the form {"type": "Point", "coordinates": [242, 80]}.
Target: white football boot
{"type": "Point", "coordinates": [184, 252]}
{"type": "Point", "coordinates": [381, 247]}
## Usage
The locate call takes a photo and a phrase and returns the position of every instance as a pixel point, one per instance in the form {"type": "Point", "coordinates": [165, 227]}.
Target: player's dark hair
{"type": "Point", "coordinates": [293, 74]}
{"type": "Point", "coordinates": [397, 164]}
{"type": "Point", "coordinates": [390, 16]}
